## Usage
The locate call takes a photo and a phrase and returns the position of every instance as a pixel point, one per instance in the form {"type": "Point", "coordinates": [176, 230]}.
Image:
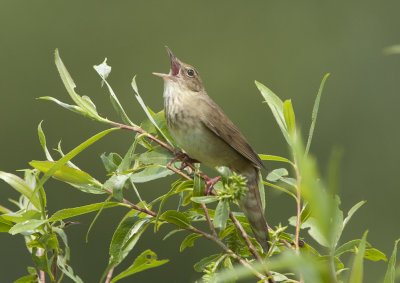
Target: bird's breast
{"type": "Point", "coordinates": [183, 115]}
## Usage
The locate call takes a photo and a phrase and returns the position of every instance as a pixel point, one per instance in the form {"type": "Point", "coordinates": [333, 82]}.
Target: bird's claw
{"type": "Point", "coordinates": [186, 159]}
{"type": "Point", "coordinates": [210, 184]}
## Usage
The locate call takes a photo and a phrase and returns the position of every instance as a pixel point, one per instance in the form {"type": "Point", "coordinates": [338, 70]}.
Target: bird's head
{"type": "Point", "coordinates": [183, 75]}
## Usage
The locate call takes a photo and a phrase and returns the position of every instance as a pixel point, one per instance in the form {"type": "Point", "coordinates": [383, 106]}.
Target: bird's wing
{"type": "Point", "coordinates": [217, 121]}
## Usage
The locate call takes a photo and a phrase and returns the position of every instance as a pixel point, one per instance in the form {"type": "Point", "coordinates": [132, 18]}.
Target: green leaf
{"type": "Point", "coordinates": [42, 139]}
{"type": "Point", "coordinates": [151, 173]}
{"type": "Point", "coordinates": [27, 279]}
{"type": "Point", "coordinates": [46, 241]}
{"type": "Point", "coordinates": [198, 186]}
{"type": "Point", "coordinates": [221, 214]}
{"type": "Point", "coordinates": [188, 241]}
{"type": "Point", "coordinates": [104, 70]}
{"type": "Point", "coordinates": [84, 103]}
{"type": "Point", "coordinates": [314, 230]}
{"type": "Point", "coordinates": [20, 186]}
{"type": "Point", "coordinates": [5, 225]}
{"type": "Point", "coordinates": [315, 113]}
{"type": "Point", "coordinates": [65, 173]}
{"type": "Point", "coordinates": [161, 156]}
{"type": "Point", "coordinates": [357, 268]}
{"type": "Point", "coordinates": [22, 216]}
{"type": "Point", "coordinates": [116, 183]}
{"type": "Point", "coordinates": [145, 260]}
{"type": "Point", "coordinates": [75, 177]}
{"type": "Point", "coordinates": [27, 225]}
{"type": "Point", "coordinates": [176, 187]}
{"type": "Point", "coordinates": [349, 247]}
{"type": "Point", "coordinates": [390, 275]}
{"type": "Point", "coordinates": [175, 217]}
{"type": "Point", "coordinates": [374, 255]}
{"type": "Point", "coordinates": [111, 162]}
{"type": "Point", "coordinates": [276, 106]}
{"type": "Point", "coordinates": [71, 212]}
{"type": "Point", "coordinates": [204, 199]}
{"type": "Point", "coordinates": [275, 158]}
{"type": "Point", "coordinates": [70, 107]}
{"type": "Point", "coordinates": [67, 269]}
{"type": "Point", "coordinates": [141, 102]}
{"type": "Point", "coordinates": [280, 189]}
{"type": "Point", "coordinates": [62, 161]}
{"type": "Point", "coordinates": [204, 262]}
{"type": "Point", "coordinates": [288, 113]}
{"type": "Point", "coordinates": [172, 232]}
{"type": "Point", "coordinates": [277, 174]}
{"type": "Point", "coordinates": [126, 236]}
{"type": "Point", "coordinates": [352, 211]}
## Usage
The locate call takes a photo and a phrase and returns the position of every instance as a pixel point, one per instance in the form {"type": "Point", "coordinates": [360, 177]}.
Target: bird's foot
{"type": "Point", "coordinates": [186, 159]}
{"type": "Point", "coordinates": [210, 184]}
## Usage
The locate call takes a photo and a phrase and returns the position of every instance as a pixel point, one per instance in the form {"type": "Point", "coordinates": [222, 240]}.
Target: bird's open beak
{"type": "Point", "coordinates": [175, 66]}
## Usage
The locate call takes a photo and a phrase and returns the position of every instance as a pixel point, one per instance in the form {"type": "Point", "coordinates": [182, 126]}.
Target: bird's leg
{"type": "Point", "coordinates": [210, 184]}
{"type": "Point", "coordinates": [186, 159]}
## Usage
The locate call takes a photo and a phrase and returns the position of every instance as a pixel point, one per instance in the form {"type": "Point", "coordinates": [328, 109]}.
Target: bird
{"type": "Point", "coordinates": [201, 128]}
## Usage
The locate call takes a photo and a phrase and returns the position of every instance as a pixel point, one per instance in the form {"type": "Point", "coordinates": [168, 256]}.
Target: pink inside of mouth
{"type": "Point", "coordinates": [174, 68]}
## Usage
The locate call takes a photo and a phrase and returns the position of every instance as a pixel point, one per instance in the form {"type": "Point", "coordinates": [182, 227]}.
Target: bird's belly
{"type": "Point", "coordinates": [202, 144]}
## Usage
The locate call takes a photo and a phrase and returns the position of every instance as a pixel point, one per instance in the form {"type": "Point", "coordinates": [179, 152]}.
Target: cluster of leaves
{"type": "Point", "coordinates": [149, 158]}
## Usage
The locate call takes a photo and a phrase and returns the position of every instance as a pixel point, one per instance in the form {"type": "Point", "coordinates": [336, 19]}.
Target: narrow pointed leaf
{"type": "Point", "coordinates": [221, 214]}
{"type": "Point", "coordinates": [145, 260]}
{"type": "Point", "coordinates": [104, 70]}
{"type": "Point", "coordinates": [62, 161]}
{"type": "Point", "coordinates": [71, 212]}
{"type": "Point", "coordinates": [20, 186]}
{"type": "Point", "coordinates": [352, 211]}
{"type": "Point", "coordinates": [357, 269]}
{"type": "Point", "coordinates": [188, 241]}
{"type": "Point", "coordinates": [204, 199]}
{"type": "Point", "coordinates": [315, 113]}
{"type": "Point", "coordinates": [84, 104]}
{"type": "Point", "coordinates": [275, 158]}
{"type": "Point", "coordinates": [277, 174]}
{"type": "Point", "coordinates": [65, 173]}
{"type": "Point", "coordinates": [178, 218]}
{"type": "Point", "coordinates": [276, 106]}
{"type": "Point", "coordinates": [288, 113]}
{"type": "Point", "coordinates": [390, 275]}
{"type": "Point", "coordinates": [42, 139]}
{"type": "Point", "coordinates": [143, 105]}
{"type": "Point", "coordinates": [27, 225]}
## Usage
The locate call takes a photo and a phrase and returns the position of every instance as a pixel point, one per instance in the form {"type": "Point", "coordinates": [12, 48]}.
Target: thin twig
{"type": "Point", "coordinates": [134, 206]}
{"type": "Point", "coordinates": [250, 245]}
{"type": "Point", "coordinates": [180, 173]}
{"type": "Point", "coordinates": [109, 275]}
{"type": "Point", "coordinates": [298, 178]}
{"type": "Point", "coordinates": [245, 237]}
{"type": "Point", "coordinates": [204, 207]}
{"type": "Point", "coordinates": [54, 267]}
{"type": "Point", "coordinates": [41, 272]}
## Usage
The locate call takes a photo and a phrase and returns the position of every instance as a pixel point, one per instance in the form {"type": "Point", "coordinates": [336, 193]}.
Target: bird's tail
{"type": "Point", "coordinates": [252, 207]}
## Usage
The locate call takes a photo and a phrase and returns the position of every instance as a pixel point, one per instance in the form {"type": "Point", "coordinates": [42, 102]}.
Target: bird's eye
{"type": "Point", "coordinates": [190, 72]}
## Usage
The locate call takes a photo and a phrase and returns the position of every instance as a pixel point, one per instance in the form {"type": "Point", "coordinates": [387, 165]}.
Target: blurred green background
{"type": "Point", "coordinates": [287, 45]}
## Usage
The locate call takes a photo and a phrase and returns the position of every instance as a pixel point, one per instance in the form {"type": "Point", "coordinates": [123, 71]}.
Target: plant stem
{"type": "Point", "coordinates": [41, 272]}
{"type": "Point", "coordinates": [298, 224]}
{"type": "Point", "coordinates": [298, 201]}
{"type": "Point", "coordinates": [109, 275]}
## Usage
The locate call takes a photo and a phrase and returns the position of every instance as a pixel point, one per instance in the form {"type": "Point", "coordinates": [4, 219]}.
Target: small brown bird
{"type": "Point", "coordinates": [203, 130]}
